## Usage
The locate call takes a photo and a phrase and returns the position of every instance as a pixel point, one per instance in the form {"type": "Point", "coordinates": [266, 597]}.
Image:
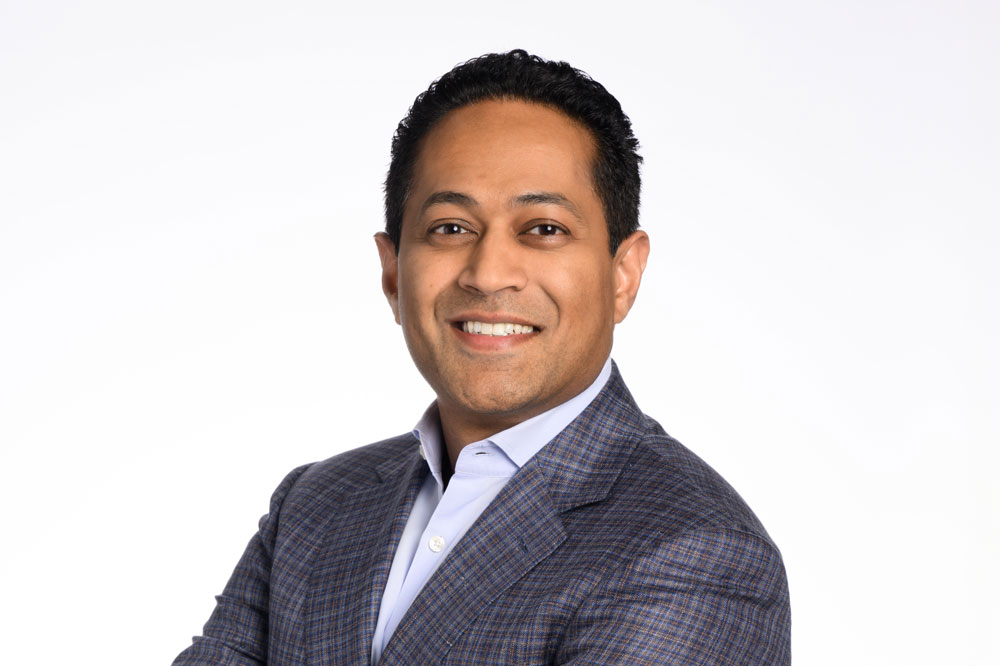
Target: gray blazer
{"type": "Point", "coordinates": [613, 545]}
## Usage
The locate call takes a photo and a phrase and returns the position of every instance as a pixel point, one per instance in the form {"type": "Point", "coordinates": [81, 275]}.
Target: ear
{"type": "Point", "coordinates": [390, 271]}
{"type": "Point", "coordinates": [629, 263]}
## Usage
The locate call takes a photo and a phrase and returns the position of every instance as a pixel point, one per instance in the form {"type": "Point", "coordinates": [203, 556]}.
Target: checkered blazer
{"type": "Point", "coordinates": [613, 545]}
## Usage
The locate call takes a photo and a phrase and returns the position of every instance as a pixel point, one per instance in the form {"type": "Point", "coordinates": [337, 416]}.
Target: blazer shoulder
{"type": "Point", "coordinates": [691, 494]}
{"type": "Point", "coordinates": [654, 486]}
{"type": "Point", "coordinates": [345, 472]}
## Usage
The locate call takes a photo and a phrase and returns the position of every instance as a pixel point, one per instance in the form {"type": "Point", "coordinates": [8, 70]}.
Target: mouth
{"type": "Point", "coordinates": [495, 329]}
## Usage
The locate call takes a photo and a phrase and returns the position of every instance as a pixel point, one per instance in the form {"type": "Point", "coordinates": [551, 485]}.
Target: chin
{"type": "Point", "coordinates": [494, 400]}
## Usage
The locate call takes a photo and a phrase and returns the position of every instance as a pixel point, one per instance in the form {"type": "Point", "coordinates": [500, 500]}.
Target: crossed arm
{"type": "Point", "coordinates": [237, 632]}
{"type": "Point", "coordinates": [708, 597]}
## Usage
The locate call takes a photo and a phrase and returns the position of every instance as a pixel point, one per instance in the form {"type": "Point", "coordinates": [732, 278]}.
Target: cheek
{"type": "Point", "coordinates": [421, 281]}
{"type": "Point", "coordinates": [582, 291]}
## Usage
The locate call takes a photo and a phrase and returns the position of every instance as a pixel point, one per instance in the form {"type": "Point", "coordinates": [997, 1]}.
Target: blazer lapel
{"type": "Point", "coordinates": [521, 527]}
{"type": "Point", "coordinates": [353, 564]}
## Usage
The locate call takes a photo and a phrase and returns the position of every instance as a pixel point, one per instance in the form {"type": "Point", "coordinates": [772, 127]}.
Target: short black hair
{"type": "Point", "coordinates": [521, 76]}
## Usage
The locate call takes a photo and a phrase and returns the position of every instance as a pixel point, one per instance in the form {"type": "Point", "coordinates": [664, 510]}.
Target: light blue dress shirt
{"type": "Point", "coordinates": [441, 516]}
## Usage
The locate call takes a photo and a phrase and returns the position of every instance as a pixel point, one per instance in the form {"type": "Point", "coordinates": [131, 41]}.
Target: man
{"type": "Point", "coordinates": [534, 516]}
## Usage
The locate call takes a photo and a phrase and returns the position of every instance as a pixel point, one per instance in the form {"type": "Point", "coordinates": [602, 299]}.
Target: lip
{"type": "Point", "coordinates": [492, 343]}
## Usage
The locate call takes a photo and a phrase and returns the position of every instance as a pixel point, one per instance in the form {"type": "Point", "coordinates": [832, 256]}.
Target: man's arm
{"type": "Point", "coordinates": [236, 633]}
{"type": "Point", "coordinates": [709, 598]}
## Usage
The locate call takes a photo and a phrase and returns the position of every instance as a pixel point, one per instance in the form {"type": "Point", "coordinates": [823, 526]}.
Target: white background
{"type": "Point", "coordinates": [190, 303]}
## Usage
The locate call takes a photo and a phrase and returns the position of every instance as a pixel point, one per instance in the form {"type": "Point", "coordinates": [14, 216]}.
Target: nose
{"type": "Point", "coordinates": [493, 265]}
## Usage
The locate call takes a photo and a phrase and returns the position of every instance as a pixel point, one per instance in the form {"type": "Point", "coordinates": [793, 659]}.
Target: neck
{"type": "Point", "coordinates": [461, 426]}
{"type": "Point", "coordinates": [458, 431]}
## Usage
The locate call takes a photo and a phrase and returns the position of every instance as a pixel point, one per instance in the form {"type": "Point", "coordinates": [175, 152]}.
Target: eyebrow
{"type": "Point", "coordinates": [449, 197]}
{"type": "Point", "coordinates": [527, 199]}
{"type": "Point", "coordinates": [546, 198]}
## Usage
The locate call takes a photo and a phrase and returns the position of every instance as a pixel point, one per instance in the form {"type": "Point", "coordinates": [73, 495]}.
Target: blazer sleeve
{"type": "Point", "coordinates": [708, 598]}
{"type": "Point", "coordinates": [236, 633]}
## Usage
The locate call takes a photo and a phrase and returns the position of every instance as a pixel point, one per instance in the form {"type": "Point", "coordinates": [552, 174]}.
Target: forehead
{"type": "Point", "coordinates": [508, 145]}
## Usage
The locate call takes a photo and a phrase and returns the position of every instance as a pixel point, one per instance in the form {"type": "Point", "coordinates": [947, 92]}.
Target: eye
{"type": "Point", "coordinates": [546, 230]}
{"type": "Point", "coordinates": [449, 229]}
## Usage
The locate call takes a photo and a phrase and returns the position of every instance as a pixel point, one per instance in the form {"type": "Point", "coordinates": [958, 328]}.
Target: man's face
{"type": "Point", "coordinates": [502, 229]}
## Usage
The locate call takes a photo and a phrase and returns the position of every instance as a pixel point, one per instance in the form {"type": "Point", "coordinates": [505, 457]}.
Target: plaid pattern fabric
{"type": "Point", "coordinates": [613, 545]}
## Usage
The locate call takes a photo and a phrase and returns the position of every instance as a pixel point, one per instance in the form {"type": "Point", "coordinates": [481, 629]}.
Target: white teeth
{"type": "Point", "coordinates": [485, 328]}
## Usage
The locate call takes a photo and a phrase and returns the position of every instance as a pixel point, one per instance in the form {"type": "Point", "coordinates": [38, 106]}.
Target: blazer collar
{"type": "Point", "coordinates": [582, 462]}
{"type": "Point", "coordinates": [403, 466]}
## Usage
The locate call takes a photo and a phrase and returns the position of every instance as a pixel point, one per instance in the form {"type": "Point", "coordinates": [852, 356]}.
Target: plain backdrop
{"type": "Point", "coordinates": [190, 301]}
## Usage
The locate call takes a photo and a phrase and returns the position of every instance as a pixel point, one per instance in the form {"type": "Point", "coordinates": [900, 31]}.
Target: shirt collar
{"type": "Point", "coordinates": [519, 442]}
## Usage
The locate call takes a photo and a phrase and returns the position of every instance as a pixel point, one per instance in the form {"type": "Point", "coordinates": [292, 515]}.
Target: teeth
{"type": "Point", "coordinates": [484, 328]}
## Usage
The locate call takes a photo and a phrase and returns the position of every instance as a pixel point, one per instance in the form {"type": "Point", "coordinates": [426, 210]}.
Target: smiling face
{"type": "Point", "coordinates": [503, 283]}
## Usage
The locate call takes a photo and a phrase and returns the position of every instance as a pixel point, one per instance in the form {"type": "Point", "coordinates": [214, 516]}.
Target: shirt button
{"type": "Point", "coordinates": [436, 543]}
